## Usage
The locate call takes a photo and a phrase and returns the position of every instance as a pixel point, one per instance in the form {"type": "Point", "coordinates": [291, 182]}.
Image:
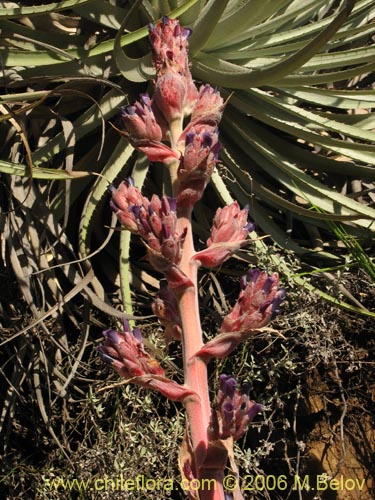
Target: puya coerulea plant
{"type": "Point", "coordinates": [158, 127]}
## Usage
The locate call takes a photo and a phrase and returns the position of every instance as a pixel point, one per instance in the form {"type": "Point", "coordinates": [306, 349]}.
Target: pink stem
{"type": "Point", "coordinates": [195, 370]}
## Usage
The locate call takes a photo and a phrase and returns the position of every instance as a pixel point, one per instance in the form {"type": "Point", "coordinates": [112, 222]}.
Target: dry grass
{"type": "Point", "coordinates": [60, 421]}
{"type": "Point", "coordinates": [61, 284]}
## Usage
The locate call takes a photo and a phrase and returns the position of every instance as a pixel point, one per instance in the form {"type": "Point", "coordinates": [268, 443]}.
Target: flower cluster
{"type": "Point", "coordinates": [206, 113]}
{"type": "Point", "coordinates": [175, 95]}
{"type": "Point", "coordinates": [175, 92]}
{"type": "Point", "coordinates": [140, 121]}
{"type": "Point", "coordinates": [125, 352]}
{"type": "Point", "coordinates": [146, 128]}
{"type": "Point", "coordinates": [123, 199]}
{"type": "Point", "coordinates": [170, 44]}
{"type": "Point", "coordinates": [150, 121]}
{"type": "Point", "coordinates": [229, 232]}
{"type": "Point", "coordinates": [232, 412]}
{"type": "Point", "coordinates": [155, 221]}
{"type": "Point", "coordinates": [230, 224]}
{"type": "Point", "coordinates": [197, 165]}
{"type": "Point", "coordinates": [165, 307]}
{"type": "Point", "coordinates": [257, 303]}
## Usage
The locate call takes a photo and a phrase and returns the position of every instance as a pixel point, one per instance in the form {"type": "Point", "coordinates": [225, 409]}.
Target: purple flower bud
{"type": "Point", "coordinates": [189, 139]}
{"type": "Point", "coordinates": [127, 110]}
{"type": "Point", "coordinates": [111, 336]}
{"type": "Point", "coordinates": [268, 284]}
{"type": "Point", "coordinates": [136, 211]}
{"type": "Point", "coordinates": [103, 356]}
{"type": "Point", "coordinates": [113, 206]}
{"type": "Point", "coordinates": [254, 409]}
{"type": "Point", "coordinates": [207, 140]}
{"type": "Point", "coordinates": [138, 335]}
{"type": "Point", "coordinates": [250, 226]}
{"type": "Point", "coordinates": [280, 296]}
{"type": "Point", "coordinates": [186, 32]}
{"type": "Point", "coordinates": [139, 109]}
{"type": "Point", "coordinates": [253, 275]}
{"type": "Point", "coordinates": [228, 385]}
{"type": "Point", "coordinates": [172, 204]}
{"type": "Point", "coordinates": [227, 410]}
{"type": "Point", "coordinates": [145, 98]}
{"type": "Point", "coordinates": [146, 226]}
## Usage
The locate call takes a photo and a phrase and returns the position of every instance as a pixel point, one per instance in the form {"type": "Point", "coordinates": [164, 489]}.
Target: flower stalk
{"type": "Point", "coordinates": [195, 370]}
{"type": "Point", "coordinates": [157, 127]}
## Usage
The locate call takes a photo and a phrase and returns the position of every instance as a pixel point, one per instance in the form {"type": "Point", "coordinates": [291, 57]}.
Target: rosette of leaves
{"type": "Point", "coordinates": [298, 126]}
